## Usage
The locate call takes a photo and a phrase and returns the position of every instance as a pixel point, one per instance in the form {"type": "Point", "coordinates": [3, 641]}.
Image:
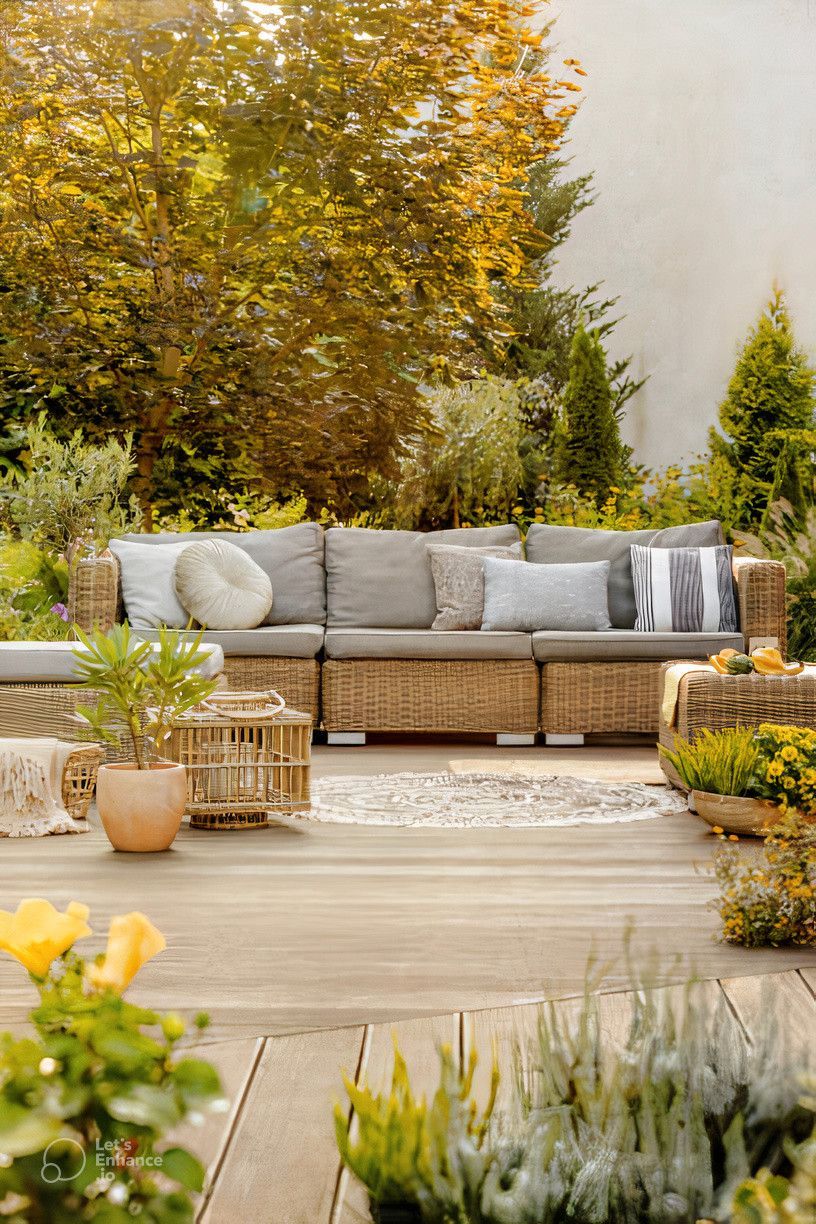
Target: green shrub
{"type": "Point", "coordinates": [588, 450]}
{"type": "Point", "coordinates": [661, 1130]}
{"type": "Point", "coordinates": [467, 464]}
{"type": "Point", "coordinates": [718, 762]}
{"type": "Point", "coordinates": [33, 591]}
{"type": "Point", "coordinates": [770, 1198]}
{"type": "Point", "coordinates": [791, 539]}
{"type": "Point", "coordinates": [72, 496]}
{"type": "Point", "coordinates": [767, 418]}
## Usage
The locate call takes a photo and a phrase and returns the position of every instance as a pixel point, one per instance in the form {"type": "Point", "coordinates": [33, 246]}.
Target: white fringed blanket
{"type": "Point", "coordinates": [31, 788]}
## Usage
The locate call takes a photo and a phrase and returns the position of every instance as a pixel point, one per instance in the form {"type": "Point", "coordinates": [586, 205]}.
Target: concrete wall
{"type": "Point", "coordinates": [699, 123]}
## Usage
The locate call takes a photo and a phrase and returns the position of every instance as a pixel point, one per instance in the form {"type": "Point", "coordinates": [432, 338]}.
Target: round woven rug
{"type": "Point", "coordinates": [486, 800]}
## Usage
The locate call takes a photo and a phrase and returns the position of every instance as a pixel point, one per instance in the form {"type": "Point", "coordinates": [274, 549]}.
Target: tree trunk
{"type": "Point", "coordinates": [168, 361]}
{"type": "Point", "coordinates": [148, 450]}
{"type": "Point", "coordinates": [455, 506]}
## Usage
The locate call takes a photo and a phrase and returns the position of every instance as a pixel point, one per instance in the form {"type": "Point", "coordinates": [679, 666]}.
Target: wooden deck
{"type": "Point", "coordinates": [355, 931]}
{"type": "Point", "coordinates": [279, 931]}
{"type": "Point", "coordinates": [273, 1159]}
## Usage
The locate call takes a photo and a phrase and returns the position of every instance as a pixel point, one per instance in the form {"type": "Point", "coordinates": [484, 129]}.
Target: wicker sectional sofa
{"type": "Point", "coordinates": [366, 659]}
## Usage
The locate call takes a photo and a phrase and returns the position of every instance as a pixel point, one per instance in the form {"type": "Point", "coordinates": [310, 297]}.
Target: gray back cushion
{"type": "Point", "coordinates": [546, 545]}
{"type": "Point", "coordinates": [291, 556]}
{"type": "Point", "coordinates": [383, 579]}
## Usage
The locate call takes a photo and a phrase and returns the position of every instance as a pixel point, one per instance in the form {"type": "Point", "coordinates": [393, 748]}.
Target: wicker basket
{"type": "Point", "coordinates": [79, 779]}
{"type": "Point", "coordinates": [247, 757]}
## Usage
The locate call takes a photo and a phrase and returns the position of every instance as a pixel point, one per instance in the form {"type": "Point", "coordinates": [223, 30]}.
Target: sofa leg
{"type": "Point", "coordinates": [563, 741]}
{"type": "Point", "coordinates": [509, 739]}
{"type": "Point", "coordinates": [346, 739]}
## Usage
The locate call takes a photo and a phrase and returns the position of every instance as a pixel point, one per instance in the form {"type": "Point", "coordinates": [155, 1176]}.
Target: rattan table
{"type": "Point", "coordinates": [706, 699]}
{"type": "Point", "coordinates": [247, 757]}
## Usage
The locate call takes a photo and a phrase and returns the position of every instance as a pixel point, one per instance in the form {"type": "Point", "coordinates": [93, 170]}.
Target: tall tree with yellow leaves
{"type": "Point", "coordinates": [247, 230]}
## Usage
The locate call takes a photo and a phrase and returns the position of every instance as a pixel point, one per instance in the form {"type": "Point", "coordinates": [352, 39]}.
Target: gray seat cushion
{"type": "Point", "coordinates": [621, 645]}
{"type": "Point", "coordinates": [372, 643]}
{"type": "Point", "coordinates": [292, 557]}
{"type": "Point", "coordinates": [53, 662]}
{"type": "Point", "coordinates": [383, 579]}
{"type": "Point", "coordinates": [546, 544]}
{"type": "Point", "coordinates": [284, 641]}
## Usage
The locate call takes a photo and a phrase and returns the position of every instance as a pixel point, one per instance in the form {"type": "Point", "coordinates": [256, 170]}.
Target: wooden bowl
{"type": "Point", "coordinates": [736, 814]}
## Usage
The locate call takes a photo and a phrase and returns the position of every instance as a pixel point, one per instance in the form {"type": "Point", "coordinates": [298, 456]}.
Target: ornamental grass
{"type": "Point", "coordinates": [683, 1121]}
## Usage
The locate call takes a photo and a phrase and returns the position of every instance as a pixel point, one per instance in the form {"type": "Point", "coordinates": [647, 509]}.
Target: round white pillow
{"type": "Point", "coordinates": [221, 586]}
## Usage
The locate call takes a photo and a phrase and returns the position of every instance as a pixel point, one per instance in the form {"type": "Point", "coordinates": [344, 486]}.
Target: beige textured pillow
{"type": "Point", "coordinates": [221, 586]}
{"type": "Point", "coordinates": [458, 574]}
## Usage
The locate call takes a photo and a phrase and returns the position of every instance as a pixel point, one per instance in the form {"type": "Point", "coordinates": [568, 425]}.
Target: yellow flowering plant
{"type": "Point", "coordinates": [87, 1099]}
{"type": "Point", "coordinates": [787, 767]}
{"type": "Point", "coordinates": [772, 901]}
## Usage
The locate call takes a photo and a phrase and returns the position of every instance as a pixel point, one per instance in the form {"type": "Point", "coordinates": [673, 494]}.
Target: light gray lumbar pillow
{"type": "Point", "coordinates": [524, 597]}
{"type": "Point", "coordinates": [221, 587]}
{"type": "Point", "coordinates": [147, 575]}
{"type": "Point", "coordinates": [458, 575]}
{"type": "Point", "coordinates": [684, 590]}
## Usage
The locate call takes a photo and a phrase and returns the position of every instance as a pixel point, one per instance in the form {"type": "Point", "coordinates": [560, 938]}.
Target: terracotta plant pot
{"type": "Point", "coordinates": [736, 814]}
{"type": "Point", "coordinates": [141, 809]}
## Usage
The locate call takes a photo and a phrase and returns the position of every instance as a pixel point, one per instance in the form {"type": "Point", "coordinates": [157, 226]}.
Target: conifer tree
{"type": "Point", "coordinates": [588, 451]}
{"type": "Point", "coordinates": [768, 420]}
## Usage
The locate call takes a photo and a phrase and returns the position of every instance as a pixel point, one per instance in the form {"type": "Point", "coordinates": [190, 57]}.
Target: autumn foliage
{"type": "Point", "coordinates": [247, 231]}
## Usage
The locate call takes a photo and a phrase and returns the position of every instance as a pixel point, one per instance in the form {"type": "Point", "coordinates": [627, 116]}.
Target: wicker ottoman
{"type": "Point", "coordinates": [706, 699]}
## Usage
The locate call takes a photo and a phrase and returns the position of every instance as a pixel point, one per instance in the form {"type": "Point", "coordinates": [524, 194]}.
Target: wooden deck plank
{"type": "Point", "coordinates": [282, 1158]}
{"type": "Point", "coordinates": [419, 1041]}
{"type": "Point", "coordinates": [786, 993]}
{"type": "Point", "coordinates": [809, 977]}
{"type": "Point", "coordinates": [235, 1062]}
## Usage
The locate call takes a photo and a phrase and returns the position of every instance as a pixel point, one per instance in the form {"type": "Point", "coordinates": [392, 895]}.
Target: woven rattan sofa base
{"type": "Point", "coordinates": [297, 680]}
{"type": "Point", "coordinates": [431, 695]}
{"type": "Point", "coordinates": [708, 700]}
{"type": "Point", "coordinates": [41, 709]}
{"type": "Point", "coordinates": [597, 698]}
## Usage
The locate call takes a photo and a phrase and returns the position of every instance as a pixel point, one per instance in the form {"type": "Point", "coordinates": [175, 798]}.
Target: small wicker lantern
{"type": "Point", "coordinates": [247, 757]}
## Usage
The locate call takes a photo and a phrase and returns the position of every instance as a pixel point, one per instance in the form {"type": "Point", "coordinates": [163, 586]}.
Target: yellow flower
{"type": "Point", "coordinates": [789, 753]}
{"type": "Point", "coordinates": [775, 769]}
{"type": "Point", "coordinates": [37, 933]}
{"type": "Point", "coordinates": [132, 941]}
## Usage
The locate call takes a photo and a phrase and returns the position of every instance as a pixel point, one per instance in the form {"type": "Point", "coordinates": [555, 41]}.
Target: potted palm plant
{"type": "Point", "coordinates": [141, 688]}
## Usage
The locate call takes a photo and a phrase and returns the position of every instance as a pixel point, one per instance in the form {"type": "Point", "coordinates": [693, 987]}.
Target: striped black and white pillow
{"type": "Point", "coordinates": [684, 590]}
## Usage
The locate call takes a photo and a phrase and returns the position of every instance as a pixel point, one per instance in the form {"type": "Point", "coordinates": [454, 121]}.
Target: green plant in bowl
{"type": "Point", "coordinates": [716, 762]}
